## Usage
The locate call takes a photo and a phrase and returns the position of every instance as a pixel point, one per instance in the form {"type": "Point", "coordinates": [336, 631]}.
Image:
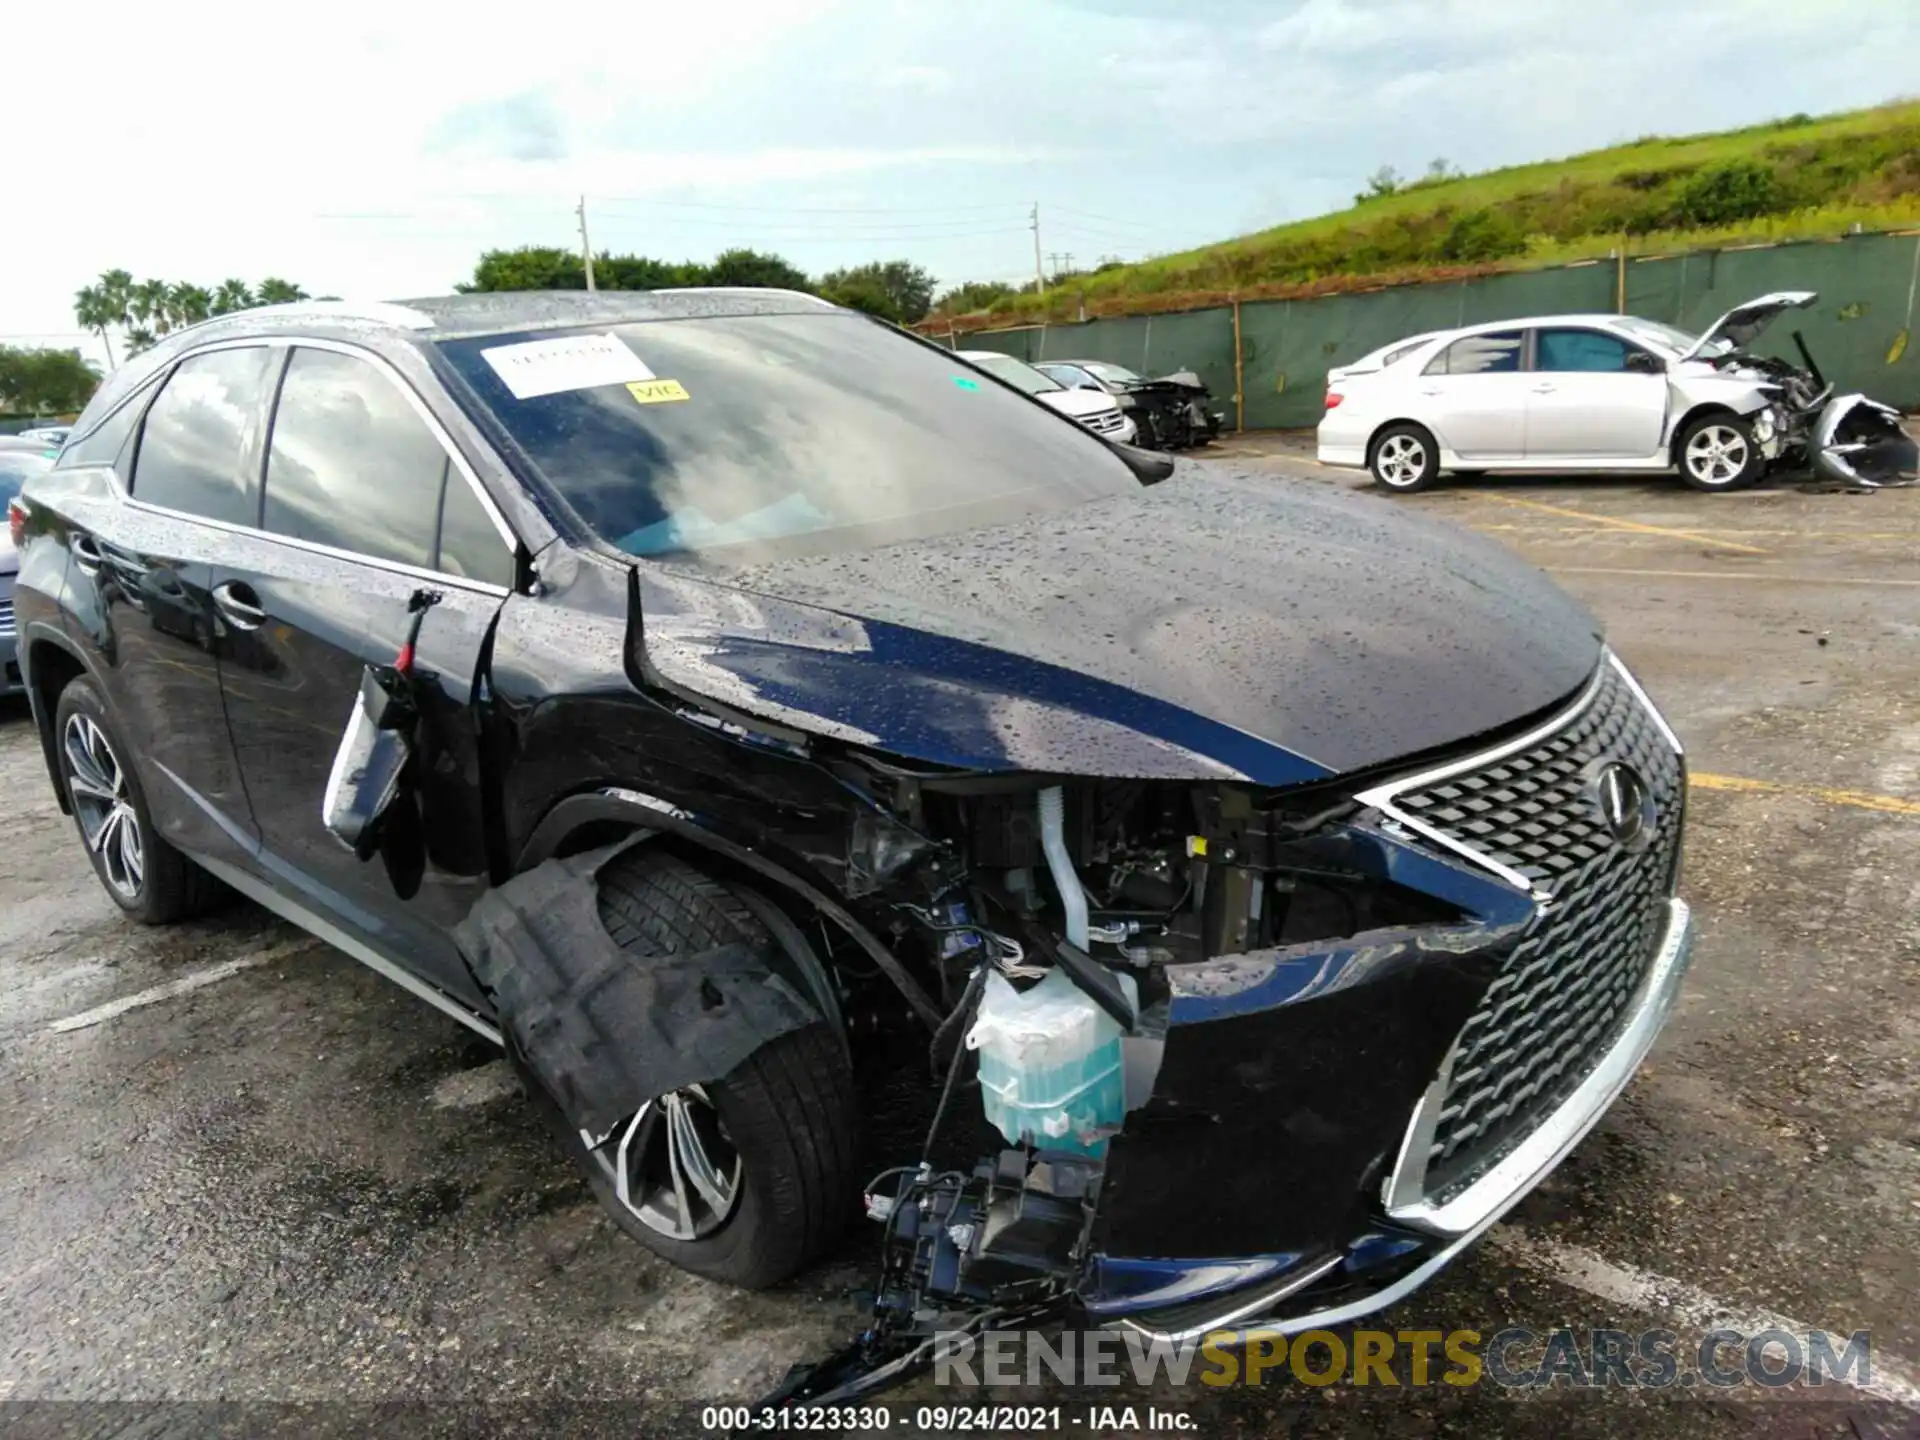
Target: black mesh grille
{"type": "Point", "coordinates": [1563, 993]}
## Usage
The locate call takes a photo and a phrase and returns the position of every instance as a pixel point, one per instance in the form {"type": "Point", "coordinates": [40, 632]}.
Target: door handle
{"type": "Point", "coordinates": [1429, 389]}
{"type": "Point", "coordinates": [1545, 388]}
{"type": "Point", "coordinates": [86, 554]}
{"type": "Point", "coordinates": [237, 602]}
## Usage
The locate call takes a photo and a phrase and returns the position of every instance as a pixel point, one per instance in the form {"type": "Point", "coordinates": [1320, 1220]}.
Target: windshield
{"type": "Point", "coordinates": [1667, 337]}
{"type": "Point", "coordinates": [740, 438]}
{"type": "Point", "coordinates": [19, 466]}
{"type": "Point", "coordinates": [1119, 374]}
{"type": "Point", "coordinates": [1017, 373]}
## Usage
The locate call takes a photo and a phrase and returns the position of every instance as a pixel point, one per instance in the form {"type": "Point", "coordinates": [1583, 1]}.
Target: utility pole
{"type": "Point", "coordinates": [586, 248]}
{"type": "Point", "coordinates": [1039, 275]}
{"type": "Point", "coordinates": [1062, 261]}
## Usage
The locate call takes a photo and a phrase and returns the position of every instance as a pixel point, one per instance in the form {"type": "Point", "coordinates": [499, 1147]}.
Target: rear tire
{"type": "Point", "coordinates": [141, 873]}
{"type": "Point", "coordinates": [780, 1125]}
{"type": "Point", "coordinates": [1717, 453]}
{"type": "Point", "coordinates": [1405, 459]}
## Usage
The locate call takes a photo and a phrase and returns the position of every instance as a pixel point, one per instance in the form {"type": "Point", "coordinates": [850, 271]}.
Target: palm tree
{"type": "Point", "coordinates": [147, 306]}
{"type": "Point", "coordinates": [188, 304]}
{"type": "Point", "coordinates": [280, 292]}
{"type": "Point", "coordinates": [102, 307]}
{"type": "Point", "coordinates": [233, 295]}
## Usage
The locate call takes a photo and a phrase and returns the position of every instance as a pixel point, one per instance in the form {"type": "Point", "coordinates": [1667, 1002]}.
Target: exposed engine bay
{"type": "Point", "coordinates": [1108, 889]}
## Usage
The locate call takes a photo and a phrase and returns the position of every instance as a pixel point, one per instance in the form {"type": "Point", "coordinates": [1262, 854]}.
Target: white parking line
{"type": "Point", "coordinates": [193, 980]}
{"type": "Point", "coordinates": [1891, 1378]}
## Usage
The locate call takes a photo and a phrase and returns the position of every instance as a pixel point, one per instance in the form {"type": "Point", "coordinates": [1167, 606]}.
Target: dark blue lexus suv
{"type": "Point", "coordinates": [689, 691]}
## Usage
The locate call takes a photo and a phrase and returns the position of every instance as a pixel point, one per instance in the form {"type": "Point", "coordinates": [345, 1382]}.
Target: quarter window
{"type": "Point", "coordinates": [1589, 350]}
{"type": "Point", "coordinates": [102, 445]}
{"type": "Point", "coordinates": [1495, 353]}
{"type": "Point", "coordinates": [470, 546]}
{"type": "Point", "coordinates": [350, 463]}
{"type": "Point", "coordinates": [192, 454]}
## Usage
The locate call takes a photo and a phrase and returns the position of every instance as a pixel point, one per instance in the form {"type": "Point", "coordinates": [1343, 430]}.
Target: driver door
{"type": "Point", "coordinates": [1586, 403]}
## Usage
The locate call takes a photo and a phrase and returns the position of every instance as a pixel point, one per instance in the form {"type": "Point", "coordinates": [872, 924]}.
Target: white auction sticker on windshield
{"type": "Point", "coordinates": [571, 362]}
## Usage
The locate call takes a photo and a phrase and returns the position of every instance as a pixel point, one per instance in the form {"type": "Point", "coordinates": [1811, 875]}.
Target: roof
{"type": "Point", "coordinates": [450, 315]}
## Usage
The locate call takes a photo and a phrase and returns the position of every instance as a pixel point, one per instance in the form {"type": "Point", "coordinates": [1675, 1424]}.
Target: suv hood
{"type": "Point", "coordinates": [1078, 403]}
{"type": "Point", "coordinates": [1214, 626]}
{"type": "Point", "coordinates": [1742, 325]}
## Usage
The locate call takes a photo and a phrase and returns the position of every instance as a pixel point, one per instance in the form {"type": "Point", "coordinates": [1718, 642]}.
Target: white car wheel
{"type": "Point", "coordinates": [1720, 453]}
{"type": "Point", "coordinates": [1405, 459]}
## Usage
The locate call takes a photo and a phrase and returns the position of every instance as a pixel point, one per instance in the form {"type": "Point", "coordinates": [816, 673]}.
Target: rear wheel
{"type": "Point", "coordinates": [141, 872]}
{"type": "Point", "coordinates": [744, 1179]}
{"type": "Point", "coordinates": [1405, 459]}
{"type": "Point", "coordinates": [1718, 452]}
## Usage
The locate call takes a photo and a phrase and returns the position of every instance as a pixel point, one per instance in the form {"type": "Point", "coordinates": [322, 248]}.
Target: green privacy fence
{"type": "Point", "coordinates": [1859, 332]}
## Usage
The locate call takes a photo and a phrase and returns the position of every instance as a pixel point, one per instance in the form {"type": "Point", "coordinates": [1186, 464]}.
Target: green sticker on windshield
{"type": "Point", "coordinates": [965, 384]}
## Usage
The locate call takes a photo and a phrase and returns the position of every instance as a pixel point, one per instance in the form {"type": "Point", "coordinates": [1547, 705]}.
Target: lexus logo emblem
{"type": "Point", "coordinates": [1624, 804]}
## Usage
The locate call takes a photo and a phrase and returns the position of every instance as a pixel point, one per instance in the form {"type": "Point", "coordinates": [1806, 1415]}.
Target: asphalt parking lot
{"type": "Point", "coordinates": [293, 1184]}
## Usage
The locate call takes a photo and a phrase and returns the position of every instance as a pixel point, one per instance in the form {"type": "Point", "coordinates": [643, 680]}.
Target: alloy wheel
{"type": "Point", "coordinates": [103, 804]}
{"type": "Point", "coordinates": [1716, 455]}
{"type": "Point", "coordinates": [1400, 461]}
{"type": "Point", "coordinates": [672, 1164]}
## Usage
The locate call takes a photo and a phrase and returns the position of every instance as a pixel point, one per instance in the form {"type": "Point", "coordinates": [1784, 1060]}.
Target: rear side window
{"type": "Point", "coordinates": [192, 454]}
{"type": "Point", "coordinates": [351, 464]}
{"type": "Point", "coordinates": [1496, 353]}
{"type": "Point", "coordinates": [1589, 350]}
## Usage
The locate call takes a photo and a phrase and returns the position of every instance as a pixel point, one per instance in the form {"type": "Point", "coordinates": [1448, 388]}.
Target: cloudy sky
{"type": "Point", "coordinates": [374, 150]}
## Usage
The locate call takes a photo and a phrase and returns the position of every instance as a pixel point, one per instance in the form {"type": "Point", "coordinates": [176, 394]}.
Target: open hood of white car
{"type": "Point", "coordinates": [1740, 326]}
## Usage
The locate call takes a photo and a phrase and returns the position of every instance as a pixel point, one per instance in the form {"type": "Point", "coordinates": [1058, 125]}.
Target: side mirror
{"type": "Point", "coordinates": [1641, 362]}
{"type": "Point", "coordinates": [1149, 467]}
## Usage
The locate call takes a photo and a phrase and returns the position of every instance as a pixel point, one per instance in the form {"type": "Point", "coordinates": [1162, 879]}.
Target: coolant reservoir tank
{"type": "Point", "coordinates": [1050, 1063]}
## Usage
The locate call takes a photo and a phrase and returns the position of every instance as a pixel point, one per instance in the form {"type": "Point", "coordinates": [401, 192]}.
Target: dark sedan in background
{"type": "Point", "coordinates": [20, 460]}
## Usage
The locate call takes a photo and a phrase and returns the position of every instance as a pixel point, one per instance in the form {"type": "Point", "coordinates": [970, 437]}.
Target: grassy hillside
{"type": "Point", "coordinates": [1796, 178]}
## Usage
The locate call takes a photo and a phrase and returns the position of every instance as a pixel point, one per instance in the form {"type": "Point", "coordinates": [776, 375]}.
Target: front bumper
{"type": "Point", "coordinates": [1328, 1290]}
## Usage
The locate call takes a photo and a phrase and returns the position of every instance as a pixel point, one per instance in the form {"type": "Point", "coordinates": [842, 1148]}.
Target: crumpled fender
{"type": "Point", "coordinates": [601, 1028]}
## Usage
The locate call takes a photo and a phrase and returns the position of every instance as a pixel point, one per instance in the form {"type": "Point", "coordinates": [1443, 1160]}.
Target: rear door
{"type": "Point", "coordinates": [140, 580]}
{"type": "Point", "coordinates": [1473, 395]}
{"type": "Point", "coordinates": [364, 502]}
{"type": "Point", "coordinates": [1584, 403]}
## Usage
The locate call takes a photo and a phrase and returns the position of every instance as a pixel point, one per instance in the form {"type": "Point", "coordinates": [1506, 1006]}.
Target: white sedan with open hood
{"type": "Point", "coordinates": [1604, 392]}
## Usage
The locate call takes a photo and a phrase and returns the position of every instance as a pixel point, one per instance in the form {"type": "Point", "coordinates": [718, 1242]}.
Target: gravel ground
{"type": "Point", "coordinates": [296, 1199]}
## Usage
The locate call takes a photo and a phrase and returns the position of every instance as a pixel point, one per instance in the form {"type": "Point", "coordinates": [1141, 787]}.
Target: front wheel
{"type": "Point", "coordinates": [1405, 459]}
{"type": "Point", "coordinates": [1718, 452]}
{"type": "Point", "coordinates": [744, 1179]}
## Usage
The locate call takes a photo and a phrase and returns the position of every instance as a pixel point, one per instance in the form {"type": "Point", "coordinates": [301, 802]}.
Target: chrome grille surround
{"type": "Point", "coordinates": [1581, 973]}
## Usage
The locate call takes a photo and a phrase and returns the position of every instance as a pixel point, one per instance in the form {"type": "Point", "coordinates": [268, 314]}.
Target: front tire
{"type": "Point", "coordinates": [1405, 459]}
{"type": "Point", "coordinates": [1719, 453]}
{"type": "Point", "coordinates": [141, 873]}
{"type": "Point", "coordinates": [749, 1177]}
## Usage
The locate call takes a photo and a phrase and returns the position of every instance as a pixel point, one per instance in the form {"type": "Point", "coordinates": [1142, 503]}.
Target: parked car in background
{"type": "Point", "coordinates": [1171, 413]}
{"type": "Point", "coordinates": [1605, 393]}
{"type": "Point", "coordinates": [20, 460]}
{"type": "Point", "coordinates": [1095, 409]}
{"type": "Point", "coordinates": [687, 690]}
{"type": "Point", "coordinates": [55, 435]}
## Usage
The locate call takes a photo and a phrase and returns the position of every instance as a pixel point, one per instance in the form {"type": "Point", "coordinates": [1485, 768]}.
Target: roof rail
{"type": "Point", "coordinates": [383, 312]}
{"type": "Point", "coordinates": [744, 290]}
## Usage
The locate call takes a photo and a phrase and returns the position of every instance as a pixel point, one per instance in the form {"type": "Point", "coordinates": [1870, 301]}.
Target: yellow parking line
{"type": "Point", "coordinates": [1616, 524]}
{"type": "Point", "coordinates": [1856, 799]}
{"type": "Point", "coordinates": [1725, 575]}
{"type": "Point", "coordinates": [1911, 536]}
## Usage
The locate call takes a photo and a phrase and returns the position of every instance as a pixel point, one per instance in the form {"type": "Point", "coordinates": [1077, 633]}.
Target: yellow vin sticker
{"type": "Point", "coordinates": [657, 392]}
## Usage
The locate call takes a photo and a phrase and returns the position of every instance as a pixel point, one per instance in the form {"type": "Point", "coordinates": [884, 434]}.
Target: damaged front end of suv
{"type": "Point", "coordinates": [1359, 1020]}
